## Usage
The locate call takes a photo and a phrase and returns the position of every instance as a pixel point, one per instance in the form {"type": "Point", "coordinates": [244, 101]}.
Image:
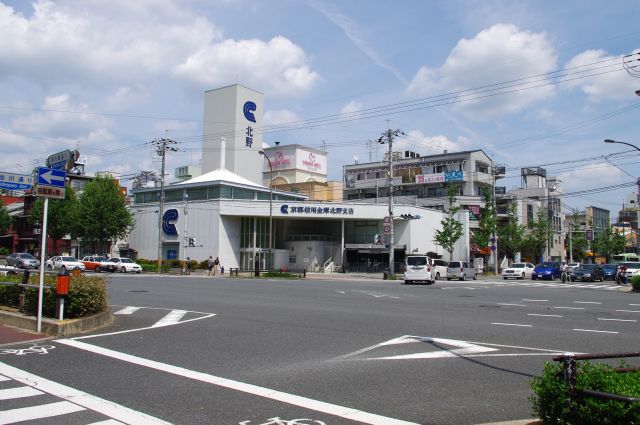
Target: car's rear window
{"type": "Point", "coordinates": [68, 259]}
{"type": "Point", "coordinates": [417, 261]}
{"type": "Point", "coordinates": [455, 264]}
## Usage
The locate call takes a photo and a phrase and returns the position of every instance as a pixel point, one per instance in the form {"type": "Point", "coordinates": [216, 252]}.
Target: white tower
{"type": "Point", "coordinates": [235, 113]}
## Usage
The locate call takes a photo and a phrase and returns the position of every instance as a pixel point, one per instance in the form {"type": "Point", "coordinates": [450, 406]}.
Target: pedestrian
{"type": "Point", "coordinates": [187, 266]}
{"type": "Point", "coordinates": [210, 265]}
{"type": "Point", "coordinates": [216, 264]}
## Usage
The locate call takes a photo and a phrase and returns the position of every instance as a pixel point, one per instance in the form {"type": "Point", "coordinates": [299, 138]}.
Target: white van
{"type": "Point", "coordinates": [418, 268]}
{"type": "Point", "coordinates": [461, 270]}
{"type": "Point", "coordinates": [439, 268]}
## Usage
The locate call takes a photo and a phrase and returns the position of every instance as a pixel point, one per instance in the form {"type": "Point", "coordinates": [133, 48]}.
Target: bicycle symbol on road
{"type": "Point", "coordinates": [34, 349]}
{"type": "Point", "coordinates": [278, 421]}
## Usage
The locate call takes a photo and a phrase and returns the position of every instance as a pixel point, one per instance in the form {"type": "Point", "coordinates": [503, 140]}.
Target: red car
{"type": "Point", "coordinates": [98, 264]}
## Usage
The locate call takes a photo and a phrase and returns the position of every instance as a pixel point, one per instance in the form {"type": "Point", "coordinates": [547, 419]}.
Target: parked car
{"type": "Point", "coordinates": [633, 269]}
{"type": "Point", "coordinates": [125, 265]}
{"type": "Point", "coordinates": [546, 270]}
{"type": "Point", "coordinates": [439, 268]}
{"type": "Point", "coordinates": [610, 271]}
{"type": "Point", "coordinates": [98, 264]}
{"type": "Point", "coordinates": [587, 272]}
{"type": "Point", "coordinates": [63, 263]}
{"type": "Point", "coordinates": [518, 271]}
{"type": "Point", "coordinates": [460, 270]}
{"type": "Point", "coordinates": [418, 268]}
{"type": "Point", "coordinates": [6, 269]}
{"type": "Point", "coordinates": [23, 260]}
{"type": "Point", "coordinates": [572, 266]}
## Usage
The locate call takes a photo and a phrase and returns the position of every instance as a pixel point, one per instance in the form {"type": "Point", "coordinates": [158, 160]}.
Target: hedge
{"type": "Point", "coordinates": [87, 295]}
{"type": "Point", "coordinates": [635, 283]}
{"type": "Point", "coordinates": [549, 401]}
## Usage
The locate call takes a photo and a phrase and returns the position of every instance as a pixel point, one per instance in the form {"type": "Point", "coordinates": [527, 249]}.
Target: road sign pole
{"type": "Point", "coordinates": [43, 248]}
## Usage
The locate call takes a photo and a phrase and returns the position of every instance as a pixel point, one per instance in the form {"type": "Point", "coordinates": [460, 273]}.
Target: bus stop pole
{"type": "Point", "coordinates": [43, 256]}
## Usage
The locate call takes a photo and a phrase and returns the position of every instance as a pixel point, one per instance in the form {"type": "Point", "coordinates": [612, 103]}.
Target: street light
{"type": "Point", "coordinates": [270, 204]}
{"type": "Point", "coordinates": [638, 189]}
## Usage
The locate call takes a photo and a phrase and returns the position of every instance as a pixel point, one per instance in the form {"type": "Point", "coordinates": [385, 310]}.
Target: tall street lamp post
{"type": "Point", "coordinates": [638, 188]}
{"type": "Point", "coordinates": [270, 205]}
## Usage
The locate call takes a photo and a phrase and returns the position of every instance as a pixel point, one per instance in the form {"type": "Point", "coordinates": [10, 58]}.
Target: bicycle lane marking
{"type": "Point", "coordinates": [79, 398]}
{"type": "Point", "coordinates": [300, 401]}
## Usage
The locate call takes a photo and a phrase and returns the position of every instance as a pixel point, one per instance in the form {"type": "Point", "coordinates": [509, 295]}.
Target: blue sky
{"type": "Point", "coordinates": [533, 83]}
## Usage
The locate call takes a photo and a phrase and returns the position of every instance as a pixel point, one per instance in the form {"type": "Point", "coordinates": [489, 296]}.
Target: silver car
{"type": "Point", "coordinates": [461, 270]}
{"type": "Point", "coordinates": [64, 263]}
{"type": "Point", "coordinates": [23, 260]}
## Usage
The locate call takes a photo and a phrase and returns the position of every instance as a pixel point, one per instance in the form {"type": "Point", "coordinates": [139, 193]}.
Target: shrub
{"type": "Point", "coordinates": [4, 251]}
{"type": "Point", "coordinates": [635, 283]}
{"type": "Point", "coordinates": [549, 401]}
{"type": "Point", "coordinates": [87, 295]}
{"type": "Point", "coordinates": [279, 274]}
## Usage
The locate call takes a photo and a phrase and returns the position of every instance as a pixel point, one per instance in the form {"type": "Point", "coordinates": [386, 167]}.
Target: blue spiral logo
{"type": "Point", "coordinates": [167, 222]}
{"type": "Point", "coordinates": [248, 109]}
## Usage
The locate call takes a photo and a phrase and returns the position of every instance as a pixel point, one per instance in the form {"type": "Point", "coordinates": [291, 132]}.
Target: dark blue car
{"type": "Point", "coordinates": [547, 270]}
{"type": "Point", "coordinates": [610, 271]}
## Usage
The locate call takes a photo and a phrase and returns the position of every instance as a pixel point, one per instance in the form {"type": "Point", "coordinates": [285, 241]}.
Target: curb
{"type": "Point", "coordinates": [56, 328]}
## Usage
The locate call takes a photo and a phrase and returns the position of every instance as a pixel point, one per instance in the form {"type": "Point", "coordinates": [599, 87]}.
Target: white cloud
{"type": "Point", "coordinates": [277, 66]}
{"type": "Point", "coordinates": [418, 142]}
{"type": "Point", "coordinates": [498, 54]}
{"type": "Point", "coordinates": [591, 176]}
{"type": "Point", "coordinates": [612, 85]}
{"type": "Point", "coordinates": [124, 43]}
{"type": "Point", "coordinates": [352, 108]}
{"type": "Point", "coordinates": [282, 116]}
{"type": "Point", "coordinates": [127, 97]}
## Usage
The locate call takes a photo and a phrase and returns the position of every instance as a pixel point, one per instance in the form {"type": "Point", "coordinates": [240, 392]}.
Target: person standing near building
{"type": "Point", "coordinates": [210, 265]}
{"type": "Point", "coordinates": [187, 266]}
{"type": "Point", "coordinates": [216, 264]}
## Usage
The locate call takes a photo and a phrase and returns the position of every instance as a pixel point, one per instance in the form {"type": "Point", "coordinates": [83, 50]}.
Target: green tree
{"type": "Point", "coordinates": [511, 234]}
{"type": "Point", "coordinates": [608, 243]}
{"type": "Point", "coordinates": [61, 214]}
{"type": "Point", "coordinates": [539, 234]}
{"type": "Point", "coordinates": [102, 214]}
{"type": "Point", "coordinates": [5, 219]}
{"type": "Point", "coordinates": [578, 236]}
{"type": "Point", "coordinates": [451, 227]}
{"type": "Point", "coordinates": [488, 221]}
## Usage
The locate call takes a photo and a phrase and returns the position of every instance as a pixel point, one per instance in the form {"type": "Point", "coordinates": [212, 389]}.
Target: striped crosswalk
{"type": "Point", "coordinates": [44, 399]}
{"type": "Point", "coordinates": [556, 285]}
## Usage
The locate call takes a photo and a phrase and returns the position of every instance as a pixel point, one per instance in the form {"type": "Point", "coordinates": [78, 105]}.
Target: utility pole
{"type": "Point", "coordinates": [571, 242]}
{"type": "Point", "coordinates": [162, 146]}
{"type": "Point", "coordinates": [389, 135]}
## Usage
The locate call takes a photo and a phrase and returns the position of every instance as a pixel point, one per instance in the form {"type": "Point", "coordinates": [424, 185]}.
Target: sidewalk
{"type": "Point", "coordinates": [12, 335]}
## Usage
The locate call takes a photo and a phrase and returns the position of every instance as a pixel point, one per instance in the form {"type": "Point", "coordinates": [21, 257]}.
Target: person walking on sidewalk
{"type": "Point", "coordinates": [210, 265]}
{"type": "Point", "coordinates": [216, 264]}
{"type": "Point", "coordinates": [187, 266]}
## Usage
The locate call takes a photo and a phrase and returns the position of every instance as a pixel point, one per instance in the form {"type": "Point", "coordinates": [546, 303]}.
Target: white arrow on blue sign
{"type": "Point", "coordinates": [50, 177]}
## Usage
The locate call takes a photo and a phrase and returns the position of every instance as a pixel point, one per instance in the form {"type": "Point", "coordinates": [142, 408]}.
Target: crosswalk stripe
{"type": "Point", "coordinates": [107, 422]}
{"type": "Point", "coordinates": [18, 392]}
{"type": "Point", "coordinates": [4, 378]}
{"type": "Point", "coordinates": [170, 319]}
{"type": "Point", "coordinates": [38, 412]}
{"type": "Point", "coordinates": [127, 310]}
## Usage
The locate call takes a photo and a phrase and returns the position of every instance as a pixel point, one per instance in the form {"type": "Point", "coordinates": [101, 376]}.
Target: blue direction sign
{"type": "Point", "coordinates": [15, 181]}
{"type": "Point", "coordinates": [50, 183]}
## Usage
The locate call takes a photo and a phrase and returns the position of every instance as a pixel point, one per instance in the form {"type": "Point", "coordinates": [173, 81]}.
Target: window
{"type": "Point", "coordinates": [173, 195]}
{"type": "Point", "coordinates": [529, 213]}
{"type": "Point", "coordinates": [197, 193]}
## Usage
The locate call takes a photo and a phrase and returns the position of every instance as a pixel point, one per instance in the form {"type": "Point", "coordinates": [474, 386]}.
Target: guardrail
{"type": "Point", "coordinates": [570, 373]}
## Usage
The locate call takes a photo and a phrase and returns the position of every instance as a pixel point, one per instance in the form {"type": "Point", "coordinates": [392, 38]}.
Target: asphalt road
{"type": "Point", "coordinates": [197, 350]}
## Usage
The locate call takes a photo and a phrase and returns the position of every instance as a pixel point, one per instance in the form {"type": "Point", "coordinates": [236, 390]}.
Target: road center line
{"type": "Point", "coordinates": [628, 311]}
{"type": "Point", "coordinates": [535, 301]}
{"type": "Point", "coordinates": [512, 324]}
{"type": "Point", "coordinates": [592, 330]}
{"type": "Point", "coordinates": [570, 308]}
{"type": "Point", "coordinates": [634, 304]}
{"type": "Point", "coordinates": [619, 320]}
{"type": "Point", "coordinates": [587, 302]}
{"type": "Point", "coordinates": [304, 402]}
{"type": "Point", "coordinates": [544, 315]}
{"type": "Point", "coordinates": [513, 304]}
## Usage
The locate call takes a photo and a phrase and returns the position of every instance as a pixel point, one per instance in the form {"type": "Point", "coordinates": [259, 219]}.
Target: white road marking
{"type": "Point", "coordinates": [462, 348]}
{"type": "Point", "coordinates": [127, 310]}
{"type": "Point", "coordinates": [534, 301]}
{"type": "Point", "coordinates": [628, 311]}
{"type": "Point", "coordinates": [38, 412]}
{"type": "Point", "coordinates": [513, 304]}
{"type": "Point", "coordinates": [19, 392]}
{"type": "Point", "coordinates": [634, 304]}
{"type": "Point", "coordinates": [304, 402]}
{"type": "Point", "coordinates": [544, 315]}
{"type": "Point", "coordinates": [512, 324]}
{"type": "Point", "coordinates": [4, 378]}
{"type": "Point", "coordinates": [170, 319]}
{"type": "Point", "coordinates": [107, 422]}
{"type": "Point", "coordinates": [80, 400]}
{"type": "Point", "coordinates": [570, 308]}
{"type": "Point", "coordinates": [619, 320]}
{"type": "Point", "coordinates": [587, 302]}
{"type": "Point", "coordinates": [592, 330]}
